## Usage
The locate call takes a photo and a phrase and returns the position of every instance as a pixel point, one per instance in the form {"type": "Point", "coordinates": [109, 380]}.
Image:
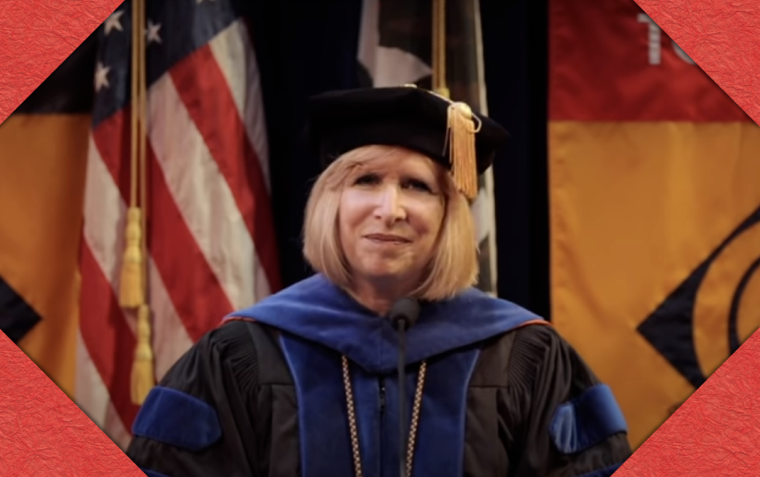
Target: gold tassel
{"type": "Point", "coordinates": [461, 130]}
{"type": "Point", "coordinates": [143, 377]}
{"type": "Point", "coordinates": [133, 292]}
{"type": "Point", "coordinates": [131, 287]}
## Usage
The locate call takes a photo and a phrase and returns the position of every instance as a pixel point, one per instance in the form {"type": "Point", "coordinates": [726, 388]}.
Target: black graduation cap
{"type": "Point", "coordinates": [448, 132]}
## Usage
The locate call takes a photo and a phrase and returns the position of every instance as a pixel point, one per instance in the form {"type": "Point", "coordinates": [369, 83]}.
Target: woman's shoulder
{"type": "Point", "coordinates": [528, 352]}
{"type": "Point", "coordinates": [530, 340]}
{"type": "Point", "coordinates": [537, 342]}
{"type": "Point", "coordinates": [528, 328]}
{"type": "Point", "coordinates": [230, 338]}
{"type": "Point", "coordinates": [233, 333]}
{"type": "Point", "coordinates": [245, 349]}
{"type": "Point", "coordinates": [540, 335]}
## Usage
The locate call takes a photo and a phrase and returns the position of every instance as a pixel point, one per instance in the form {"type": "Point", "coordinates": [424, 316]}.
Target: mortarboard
{"type": "Point", "coordinates": [448, 132]}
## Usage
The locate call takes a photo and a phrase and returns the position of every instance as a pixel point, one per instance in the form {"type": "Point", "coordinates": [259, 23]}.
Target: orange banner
{"type": "Point", "coordinates": [43, 158]}
{"type": "Point", "coordinates": [655, 209]}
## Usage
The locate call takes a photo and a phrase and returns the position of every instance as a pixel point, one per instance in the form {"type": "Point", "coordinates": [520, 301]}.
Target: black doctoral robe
{"type": "Point", "coordinates": [504, 395]}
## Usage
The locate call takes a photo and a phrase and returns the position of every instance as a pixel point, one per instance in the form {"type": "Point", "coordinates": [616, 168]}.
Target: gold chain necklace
{"type": "Point", "coordinates": [352, 419]}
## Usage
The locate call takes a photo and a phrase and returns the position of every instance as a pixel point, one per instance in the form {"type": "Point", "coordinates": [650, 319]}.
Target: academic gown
{"type": "Point", "coordinates": [263, 395]}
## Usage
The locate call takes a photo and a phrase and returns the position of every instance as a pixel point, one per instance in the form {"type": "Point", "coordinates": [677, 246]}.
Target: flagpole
{"type": "Point", "coordinates": [439, 49]}
{"type": "Point", "coordinates": [488, 183]}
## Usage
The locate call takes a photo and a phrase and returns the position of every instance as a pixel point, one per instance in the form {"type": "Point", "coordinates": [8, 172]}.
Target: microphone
{"type": "Point", "coordinates": [403, 315]}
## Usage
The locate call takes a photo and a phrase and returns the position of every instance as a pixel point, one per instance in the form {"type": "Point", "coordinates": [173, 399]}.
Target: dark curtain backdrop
{"type": "Point", "coordinates": [304, 48]}
{"type": "Point", "coordinates": [516, 70]}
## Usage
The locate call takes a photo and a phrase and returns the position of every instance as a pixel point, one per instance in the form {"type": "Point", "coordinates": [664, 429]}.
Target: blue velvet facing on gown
{"type": "Point", "coordinates": [323, 418]}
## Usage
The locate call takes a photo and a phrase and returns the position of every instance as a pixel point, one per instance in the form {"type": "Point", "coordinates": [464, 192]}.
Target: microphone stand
{"type": "Point", "coordinates": [403, 315]}
{"type": "Point", "coordinates": [402, 396]}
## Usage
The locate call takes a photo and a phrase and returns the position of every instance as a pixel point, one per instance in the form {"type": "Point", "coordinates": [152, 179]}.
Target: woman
{"type": "Point", "coordinates": [304, 383]}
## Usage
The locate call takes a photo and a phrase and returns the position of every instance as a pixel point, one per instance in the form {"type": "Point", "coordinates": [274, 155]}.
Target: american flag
{"type": "Point", "coordinates": [210, 231]}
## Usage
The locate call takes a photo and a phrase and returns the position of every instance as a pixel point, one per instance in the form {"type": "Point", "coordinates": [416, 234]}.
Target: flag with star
{"type": "Point", "coordinates": [655, 209]}
{"type": "Point", "coordinates": [395, 48]}
{"type": "Point", "coordinates": [210, 235]}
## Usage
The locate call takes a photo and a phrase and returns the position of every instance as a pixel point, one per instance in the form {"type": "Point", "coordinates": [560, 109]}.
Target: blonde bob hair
{"type": "Point", "coordinates": [454, 265]}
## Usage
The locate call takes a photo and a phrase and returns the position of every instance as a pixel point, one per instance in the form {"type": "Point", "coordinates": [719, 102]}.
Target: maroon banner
{"type": "Point", "coordinates": [615, 60]}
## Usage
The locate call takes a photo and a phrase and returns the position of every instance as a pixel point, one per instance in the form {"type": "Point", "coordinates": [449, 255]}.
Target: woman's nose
{"type": "Point", "coordinates": [390, 207]}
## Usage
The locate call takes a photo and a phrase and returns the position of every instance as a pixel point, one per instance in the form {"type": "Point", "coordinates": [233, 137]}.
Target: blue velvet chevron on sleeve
{"type": "Point", "coordinates": [152, 473]}
{"type": "Point", "coordinates": [606, 472]}
{"type": "Point", "coordinates": [178, 419]}
{"type": "Point", "coordinates": [587, 420]}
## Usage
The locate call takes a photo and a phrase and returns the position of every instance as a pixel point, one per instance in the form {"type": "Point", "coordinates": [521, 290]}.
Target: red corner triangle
{"type": "Point", "coordinates": [721, 37]}
{"type": "Point", "coordinates": [43, 433]}
{"type": "Point", "coordinates": [36, 36]}
{"type": "Point", "coordinates": [715, 432]}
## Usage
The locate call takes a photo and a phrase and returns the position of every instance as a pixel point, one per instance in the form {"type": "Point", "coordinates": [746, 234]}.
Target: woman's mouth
{"type": "Point", "coordinates": [387, 239]}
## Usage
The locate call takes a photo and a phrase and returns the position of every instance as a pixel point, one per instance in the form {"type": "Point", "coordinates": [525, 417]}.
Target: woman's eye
{"type": "Point", "coordinates": [417, 185]}
{"type": "Point", "coordinates": [367, 179]}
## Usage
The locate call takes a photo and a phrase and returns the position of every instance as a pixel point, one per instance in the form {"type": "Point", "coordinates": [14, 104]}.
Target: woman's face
{"type": "Point", "coordinates": [391, 211]}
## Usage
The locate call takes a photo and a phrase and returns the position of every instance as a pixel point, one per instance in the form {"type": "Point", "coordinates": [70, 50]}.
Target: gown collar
{"type": "Point", "coordinates": [317, 310]}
